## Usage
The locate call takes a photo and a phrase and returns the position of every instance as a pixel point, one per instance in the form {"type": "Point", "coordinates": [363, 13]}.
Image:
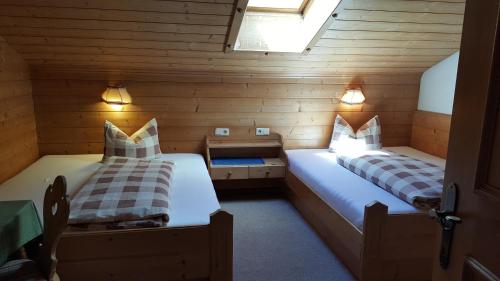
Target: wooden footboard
{"type": "Point", "coordinates": [185, 253]}
{"type": "Point", "coordinates": [390, 247]}
{"type": "Point", "coordinates": [396, 246]}
{"type": "Point", "coordinates": [338, 233]}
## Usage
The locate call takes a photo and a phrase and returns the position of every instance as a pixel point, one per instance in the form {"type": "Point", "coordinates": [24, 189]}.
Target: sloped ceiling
{"type": "Point", "coordinates": [369, 36]}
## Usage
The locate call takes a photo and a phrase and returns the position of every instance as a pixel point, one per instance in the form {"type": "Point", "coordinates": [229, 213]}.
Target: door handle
{"type": "Point", "coordinates": [452, 220]}
{"type": "Point", "coordinates": [447, 219]}
{"type": "Point", "coordinates": [448, 224]}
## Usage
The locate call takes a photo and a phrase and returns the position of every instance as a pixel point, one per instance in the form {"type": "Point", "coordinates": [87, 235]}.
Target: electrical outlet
{"type": "Point", "coordinates": [262, 131]}
{"type": "Point", "coordinates": [222, 132]}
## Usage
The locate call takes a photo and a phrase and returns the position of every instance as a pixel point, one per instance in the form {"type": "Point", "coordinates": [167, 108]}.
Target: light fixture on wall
{"type": "Point", "coordinates": [353, 96]}
{"type": "Point", "coordinates": [116, 95]}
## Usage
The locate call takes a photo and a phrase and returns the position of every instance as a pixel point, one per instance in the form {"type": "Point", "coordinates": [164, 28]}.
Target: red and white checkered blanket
{"type": "Point", "coordinates": [124, 190]}
{"type": "Point", "coordinates": [414, 181]}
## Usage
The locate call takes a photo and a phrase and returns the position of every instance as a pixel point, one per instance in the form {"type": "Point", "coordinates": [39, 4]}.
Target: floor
{"type": "Point", "coordinates": [272, 242]}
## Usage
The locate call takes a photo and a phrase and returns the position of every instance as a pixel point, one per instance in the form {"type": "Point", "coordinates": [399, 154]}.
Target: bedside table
{"type": "Point", "coordinates": [238, 163]}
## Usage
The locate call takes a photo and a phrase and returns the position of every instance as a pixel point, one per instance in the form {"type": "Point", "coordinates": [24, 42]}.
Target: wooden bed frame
{"type": "Point", "coordinates": [180, 253]}
{"type": "Point", "coordinates": [203, 252]}
{"type": "Point", "coordinates": [390, 246]}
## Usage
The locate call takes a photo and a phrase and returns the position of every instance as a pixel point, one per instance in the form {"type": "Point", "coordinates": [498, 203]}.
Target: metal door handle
{"type": "Point", "coordinates": [453, 219]}
{"type": "Point", "coordinates": [449, 222]}
{"type": "Point", "coordinates": [447, 219]}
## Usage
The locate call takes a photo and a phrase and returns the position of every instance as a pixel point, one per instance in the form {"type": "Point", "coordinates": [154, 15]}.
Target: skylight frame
{"type": "Point", "coordinates": [269, 9]}
{"type": "Point", "coordinates": [233, 38]}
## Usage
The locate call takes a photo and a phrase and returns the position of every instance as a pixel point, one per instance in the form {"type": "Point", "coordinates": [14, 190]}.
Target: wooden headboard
{"type": "Point", "coordinates": [430, 132]}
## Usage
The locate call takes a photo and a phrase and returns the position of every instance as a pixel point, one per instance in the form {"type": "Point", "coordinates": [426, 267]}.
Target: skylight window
{"type": "Point", "coordinates": [292, 6]}
{"type": "Point", "coordinates": [279, 25]}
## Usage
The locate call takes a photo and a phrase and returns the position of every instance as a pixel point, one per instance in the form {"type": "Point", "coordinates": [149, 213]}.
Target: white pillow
{"type": "Point", "coordinates": [368, 136]}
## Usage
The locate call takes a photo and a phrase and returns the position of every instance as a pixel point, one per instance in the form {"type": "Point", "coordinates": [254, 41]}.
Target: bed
{"type": "Point", "coordinates": [377, 235]}
{"type": "Point", "coordinates": [196, 244]}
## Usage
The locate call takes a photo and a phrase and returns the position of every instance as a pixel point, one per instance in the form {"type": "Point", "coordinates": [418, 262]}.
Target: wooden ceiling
{"type": "Point", "coordinates": [368, 36]}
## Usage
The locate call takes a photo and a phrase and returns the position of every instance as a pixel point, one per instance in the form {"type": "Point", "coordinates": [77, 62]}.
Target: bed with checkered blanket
{"type": "Point", "coordinates": [124, 192]}
{"type": "Point", "coordinates": [414, 181]}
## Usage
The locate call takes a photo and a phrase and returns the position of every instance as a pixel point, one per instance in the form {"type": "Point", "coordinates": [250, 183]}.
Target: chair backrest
{"type": "Point", "coordinates": [55, 219]}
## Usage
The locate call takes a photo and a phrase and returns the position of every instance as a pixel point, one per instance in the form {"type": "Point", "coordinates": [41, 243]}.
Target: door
{"type": "Point", "coordinates": [474, 149]}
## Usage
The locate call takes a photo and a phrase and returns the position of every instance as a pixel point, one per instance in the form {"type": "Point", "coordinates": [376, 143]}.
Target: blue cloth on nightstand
{"type": "Point", "coordinates": [238, 161]}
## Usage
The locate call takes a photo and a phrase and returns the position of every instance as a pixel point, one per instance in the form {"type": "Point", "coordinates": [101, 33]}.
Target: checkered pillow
{"type": "Point", "coordinates": [371, 133]}
{"type": "Point", "coordinates": [142, 144]}
{"type": "Point", "coordinates": [342, 133]}
{"type": "Point", "coordinates": [368, 137]}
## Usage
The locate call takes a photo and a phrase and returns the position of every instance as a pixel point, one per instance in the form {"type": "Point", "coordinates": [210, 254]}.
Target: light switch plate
{"type": "Point", "coordinates": [262, 131]}
{"type": "Point", "coordinates": [222, 132]}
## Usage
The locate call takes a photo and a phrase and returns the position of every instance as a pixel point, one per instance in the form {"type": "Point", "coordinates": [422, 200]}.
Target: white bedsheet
{"type": "Point", "coordinates": [345, 191]}
{"type": "Point", "coordinates": [193, 198]}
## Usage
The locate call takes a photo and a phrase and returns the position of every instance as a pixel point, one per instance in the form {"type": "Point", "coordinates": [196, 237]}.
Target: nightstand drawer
{"type": "Point", "coordinates": [260, 172]}
{"type": "Point", "coordinates": [229, 173]}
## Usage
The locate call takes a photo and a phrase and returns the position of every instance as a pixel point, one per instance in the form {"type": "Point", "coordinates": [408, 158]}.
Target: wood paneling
{"type": "Point", "coordinates": [18, 142]}
{"type": "Point", "coordinates": [430, 132]}
{"type": "Point", "coordinates": [188, 36]}
{"type": "Point", "coordinates": [70, 113]}
{"type": "Point", "coordinates": [170, 56]}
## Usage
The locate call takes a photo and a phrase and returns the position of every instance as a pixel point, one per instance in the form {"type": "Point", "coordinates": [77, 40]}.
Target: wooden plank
{"type": "Point", "coordinates": [111, 25]}
{"type": "Point", "coordinates": [179, 54]}
{"type": "Point", "coordinates": [221, 243]}
{"type": "Point", "coordinates": [18, 141]}
{"type": "Point", "coordinates": [114, 35]}
{"type": "Point", "coordinates": [218, 7]}
{"type": "Point", "coordinates": [445, 52]}
{"type": "Point", "coordinates": [400, 27]}
{"type": "Point", "coordinates": [430, 133]}
{"type": "Point", "coordinates": [130, 44]}
{"type": "Point", "coordinates": [326, 25]}
{"type": "Point", "coordinates": [373, 232]}
{"type": "Point", "coordinates": [85, 74]}
{"type": "Point", "coordinates": [113, 15]}
{"type": "Point", "coordinates": [401, 17]}
{"type": "Point", "coordinates": [391, 36]}
{"type": "Point", "coordinates": [51, 58]}
{"type": "Point", "coordinates": [437, 7]}
{"type": "Point", "coordinates": [336, 43]}
{"type": "Point", "coordinates": [82, 104]}
{"type": "Point", "coordinates": [234, 29]}
{"type": "Point", "coordinates": [303, 71]}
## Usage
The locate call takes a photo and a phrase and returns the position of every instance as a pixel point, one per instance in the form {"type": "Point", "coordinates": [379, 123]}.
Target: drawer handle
{"type": "Point", "coordinates": [229, 174]}
{"type": "Point", "coordinates": [267, 174]}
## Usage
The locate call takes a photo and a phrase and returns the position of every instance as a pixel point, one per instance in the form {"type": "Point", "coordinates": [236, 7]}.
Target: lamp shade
{"type": "Point", "coordinates": [116, 95]}
{"type": "Point", "coordinates": [353, 96]}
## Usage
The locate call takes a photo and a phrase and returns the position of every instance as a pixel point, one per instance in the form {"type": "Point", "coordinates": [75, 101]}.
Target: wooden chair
{"type": "Point", "coordinates": [55, 219]}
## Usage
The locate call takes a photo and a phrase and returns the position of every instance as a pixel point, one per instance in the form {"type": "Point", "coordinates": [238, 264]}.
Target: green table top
{"type": "Point", "coordinates": [19, 224]}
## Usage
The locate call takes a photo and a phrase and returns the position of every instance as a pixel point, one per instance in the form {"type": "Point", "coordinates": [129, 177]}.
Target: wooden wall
{"type": "Point", "coordinates": [431, 132]}
{"type": "Point", "coordinates": [70, 114]}
{"type": "Point", "coordinates": [18, 140]}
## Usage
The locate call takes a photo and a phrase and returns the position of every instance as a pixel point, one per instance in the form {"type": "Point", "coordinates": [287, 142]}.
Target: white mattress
{"type": "Point", "coordinates": [345, 191]}
{"type": "Point", "coordinates": [193, 198]}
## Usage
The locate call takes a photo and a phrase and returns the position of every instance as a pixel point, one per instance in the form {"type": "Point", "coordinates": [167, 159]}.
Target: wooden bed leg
{"type": "Point", "coordinates": [221, 246]}
{"type": "Point", "coordinates": [371, 260]}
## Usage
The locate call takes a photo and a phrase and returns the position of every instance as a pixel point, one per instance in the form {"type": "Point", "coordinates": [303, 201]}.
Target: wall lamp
{"type": "Point", "coordinates": [117, 95]}
{"type": "Point", "coordinates": [353, 96]}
